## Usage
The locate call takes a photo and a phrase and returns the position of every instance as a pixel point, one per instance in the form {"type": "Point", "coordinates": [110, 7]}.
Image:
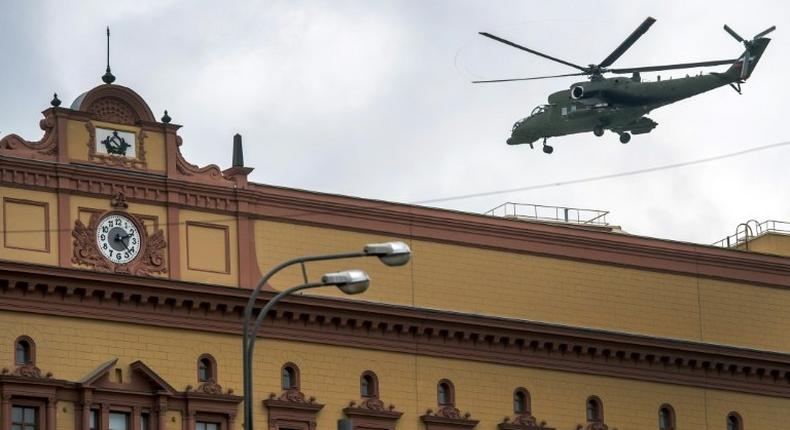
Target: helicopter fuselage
{"type": "Point", "coordinates": [617, 104]}
{"type": "Point", "coordinates": [620, 103]}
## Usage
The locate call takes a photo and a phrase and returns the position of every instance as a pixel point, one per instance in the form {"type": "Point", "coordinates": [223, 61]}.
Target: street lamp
{"type": "Point", "coordinates": [350, 282]}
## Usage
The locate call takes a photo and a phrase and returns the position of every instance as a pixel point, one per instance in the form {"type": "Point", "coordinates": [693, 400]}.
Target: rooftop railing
{"type": "Point", "coordinates": [751, 229]}
{"type": "Point", "coordinates": [550, 214]}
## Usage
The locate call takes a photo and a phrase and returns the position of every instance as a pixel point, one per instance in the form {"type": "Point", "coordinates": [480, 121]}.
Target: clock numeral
{"type": "Point", "coordinates": [105, 229]}
{"type": "Point", "coordinates": [131, 249]}
{"type": "Point", "coordinates": [104, 245]}
{"type": "Point", "coordinates": [103, 237]}
{"type": "Point", "coordinates": [125, 255]}
{"type": "Point", "coordinates": [118, 221]}
{"type": "Point", "coordinates": [111, 251]}
{"type": "Point", "coordinates": [134, 241]}
{"type": "Point", "coordinates": [118, 256]}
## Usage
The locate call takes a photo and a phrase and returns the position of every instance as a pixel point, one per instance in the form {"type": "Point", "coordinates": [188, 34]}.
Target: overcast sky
{"type": "Point", "coordinates": [373, 99]}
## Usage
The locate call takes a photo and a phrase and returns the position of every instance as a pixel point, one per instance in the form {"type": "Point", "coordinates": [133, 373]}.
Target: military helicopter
{"type": "Point", "coordinates": [620, 103]}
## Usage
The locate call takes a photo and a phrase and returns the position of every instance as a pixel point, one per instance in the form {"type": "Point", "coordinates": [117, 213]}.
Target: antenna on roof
{"type": "Point", "coordinates": [108, 78]}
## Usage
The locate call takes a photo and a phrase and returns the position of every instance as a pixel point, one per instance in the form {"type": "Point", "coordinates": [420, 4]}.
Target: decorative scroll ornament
{"type": "Point", "coordinates": [450, 412]}
{"type": "Point", "coordinates": [447, 417]}
{"type": "Point", "coordinates": [210, 387]}
{"type": "Point", "coordinates": [44, 149]}
{"type": "Point", "coordinates": [373, 404]}
{"type": "Point", "coordinates": [371, 413]}
{"type": "Point", "coordinates": [119, 201]}
{"type": "Point", "coordinates": [210, 174]}
{"type": "Point", "coordinates": [150, 261]}
{"type": "Point", "coordinates": [28, 371]}
{"type": "Point", "coordinates": [525, 421]}
{"type": "Point", "coordinates": [594, 425]}
{"type": "Point", "coordinates": [292, 396]}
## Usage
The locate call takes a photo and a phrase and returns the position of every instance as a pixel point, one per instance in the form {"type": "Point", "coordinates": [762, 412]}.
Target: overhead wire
{"type": "Point", "coordinates": [500, 191]}
{"type": "Point", "coordinates": [603, 177]}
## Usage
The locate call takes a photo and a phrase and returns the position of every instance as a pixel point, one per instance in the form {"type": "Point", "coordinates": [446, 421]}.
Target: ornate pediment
{"type": "Point", "coordinates": [141, 379]}
{"type": "Point", "coordinates": [594, 425]}
{"type": "Point", "coordinates": [371, 413]}
{"type": "Point", "coordinates": [524, 421]}
{"type": "Point", "coordinates": [447, 418]}
{"type": "Point", "coordinates": [292, 409]}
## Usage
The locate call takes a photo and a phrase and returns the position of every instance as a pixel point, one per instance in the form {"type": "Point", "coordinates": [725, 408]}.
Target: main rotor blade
{"type": "Point", "coordinates": [532, 51]}
{"type": "Point", "coordinates": [766, 31]}
{"type": "Point", "coordinates": [527, 79]}
{"type": "Point", "coordinates": [673, 66]}
{"type": "Point", "coordinates": [733, 33]}
{"type": "Point", "coordinates": [628, 42]}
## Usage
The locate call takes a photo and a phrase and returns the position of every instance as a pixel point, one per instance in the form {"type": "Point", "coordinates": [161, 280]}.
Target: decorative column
{"type": "Point", "coordinates": [51, 404]}
{"type": "Point", "coordinates": [135, 421]}
{"type": "Point", "coordinates": [84, 412]}
{"type": "Point", "coordinates": [105, 416]}
{"type": "Point", "coordinates": [189, 420]}
{"type": "Point", "coordinates": [5, 409]}
{"type": "Point", "coordinates": [161, 413]}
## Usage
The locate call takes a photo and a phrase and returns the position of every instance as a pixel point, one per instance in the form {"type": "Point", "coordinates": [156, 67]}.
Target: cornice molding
{"type": "Point", "coordinates": [400, 220]}
{"type": "Point", "coordinates": [334, 321]}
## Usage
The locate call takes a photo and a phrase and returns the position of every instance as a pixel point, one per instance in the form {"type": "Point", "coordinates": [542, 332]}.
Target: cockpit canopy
{"type": "Point", "coordinates": [537, 111]}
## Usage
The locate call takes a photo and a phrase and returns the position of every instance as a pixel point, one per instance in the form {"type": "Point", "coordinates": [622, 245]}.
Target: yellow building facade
{"type": "Point", "coordinates": [124, 271]}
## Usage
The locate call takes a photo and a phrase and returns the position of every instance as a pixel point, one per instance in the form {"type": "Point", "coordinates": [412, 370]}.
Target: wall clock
{"type": "Point", "coordinates": [118, 238]}
{"type": "Point", "coordinates": [117, 241]}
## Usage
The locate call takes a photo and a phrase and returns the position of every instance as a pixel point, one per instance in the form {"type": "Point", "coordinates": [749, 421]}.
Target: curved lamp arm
{"type": "Point", "coordinates": [257, 291]}
{"type": "Point", "coordinates": [391, 254]}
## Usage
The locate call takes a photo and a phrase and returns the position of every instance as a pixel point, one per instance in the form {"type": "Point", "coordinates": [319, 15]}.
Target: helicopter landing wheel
{"type": "Point", "coordinates": [598, 131]}
{"type": "Point", "coordinates": [625, 138]}
{"type": "Point", "coordinates": [548, 149]}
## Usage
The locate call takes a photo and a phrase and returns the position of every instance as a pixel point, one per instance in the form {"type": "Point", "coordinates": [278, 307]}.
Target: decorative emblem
{"type": "Point", "coordinates": [115, 144]}
{"type": "Point", "coordinates": [116, 147]}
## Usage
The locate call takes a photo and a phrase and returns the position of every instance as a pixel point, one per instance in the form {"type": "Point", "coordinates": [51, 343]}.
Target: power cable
{"type": "Point", "coordinates": [602, 177]}
{"type": "Point", "coordinates": [507, 190]}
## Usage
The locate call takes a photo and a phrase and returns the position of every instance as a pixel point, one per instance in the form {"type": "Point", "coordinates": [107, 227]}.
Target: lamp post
{"type": "Point", "coordinates": [350, 282]}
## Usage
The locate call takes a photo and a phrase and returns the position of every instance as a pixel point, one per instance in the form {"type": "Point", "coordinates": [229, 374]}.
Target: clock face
{"type": "Point", "coordinates": [118, 238]}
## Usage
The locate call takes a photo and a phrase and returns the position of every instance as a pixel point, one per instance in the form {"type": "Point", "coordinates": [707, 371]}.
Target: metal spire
{"type": "Point", "coordinates": [108, 77]}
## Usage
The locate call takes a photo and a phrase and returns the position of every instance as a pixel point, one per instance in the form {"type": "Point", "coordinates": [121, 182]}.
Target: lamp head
{"type": "Point", "coordinates": [390, 253]}
{"type": "Point", "coordinates": [349, 281]}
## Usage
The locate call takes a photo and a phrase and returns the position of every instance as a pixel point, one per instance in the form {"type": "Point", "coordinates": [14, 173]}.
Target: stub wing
{"type": "Point", "coordinates": [640, 126]}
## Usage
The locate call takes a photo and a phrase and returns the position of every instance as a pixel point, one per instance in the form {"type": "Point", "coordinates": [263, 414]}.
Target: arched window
{"type": "Point", "coordinates": [445, 393]}
{"type": "Point", "coordinates": [734, 421]}
{"type": "Point", "coordinates": [666, 418]}
{"type": "Point", "coordinates": [206, 368]}
{"type": "Point", "coordinates": [24, 351]}
{"type": "Point", "coordinates": [369, 385]}
{"type": "Point", "coordinates": [594, 409]}
{"type": "Point", "coordinates": [290, 377]}
{"type": "Point", "coordinates": [521, 402]}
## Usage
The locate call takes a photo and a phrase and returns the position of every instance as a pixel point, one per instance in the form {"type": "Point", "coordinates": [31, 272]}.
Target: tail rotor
{"type": "Point", "coordinates": [746, 59]}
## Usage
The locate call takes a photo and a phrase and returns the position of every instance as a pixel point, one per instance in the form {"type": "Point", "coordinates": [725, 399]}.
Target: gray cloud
{"type": "Point", "coordinates": [373, 99]}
